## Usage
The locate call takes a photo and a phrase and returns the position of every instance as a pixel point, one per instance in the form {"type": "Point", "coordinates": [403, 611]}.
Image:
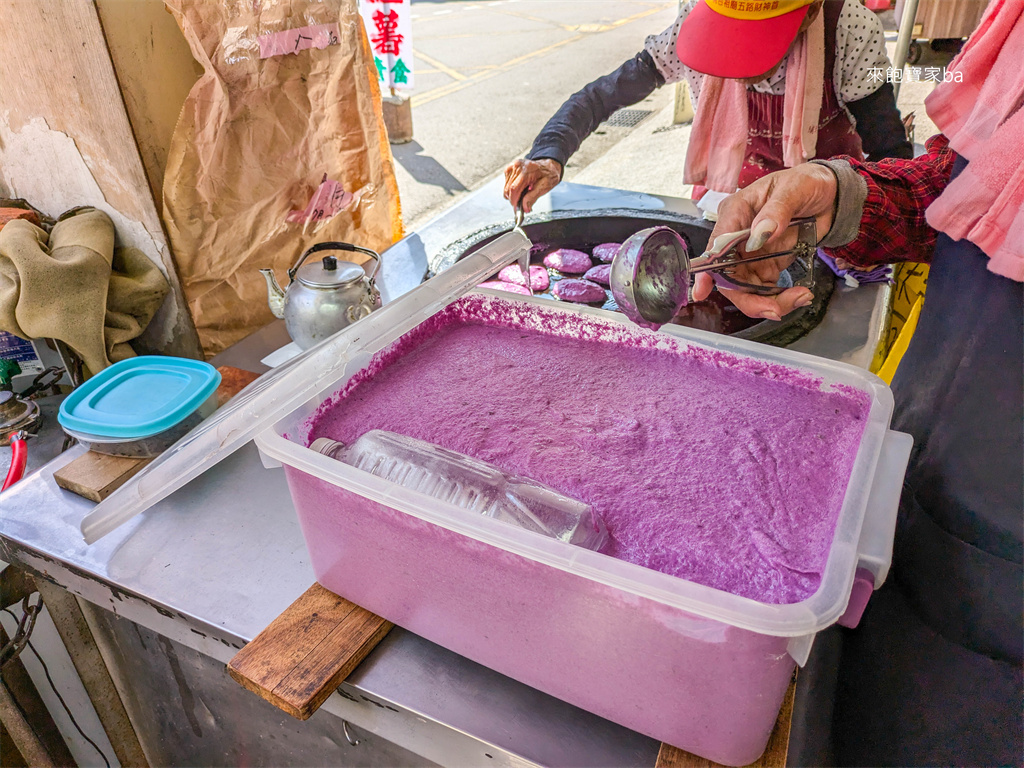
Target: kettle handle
{"type": "Point", "coordinates": [334, 245]}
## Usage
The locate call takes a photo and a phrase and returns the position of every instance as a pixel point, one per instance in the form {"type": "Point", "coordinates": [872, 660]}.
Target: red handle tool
{"type": "Point", "coordinates": [19, 458]}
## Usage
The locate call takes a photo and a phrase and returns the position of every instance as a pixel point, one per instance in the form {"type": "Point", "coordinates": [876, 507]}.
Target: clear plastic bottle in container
{"type": "Point", "coordinates": [470, 484]}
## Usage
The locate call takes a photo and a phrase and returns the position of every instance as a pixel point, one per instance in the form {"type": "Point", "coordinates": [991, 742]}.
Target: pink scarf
{"type": "Point", "coordinates": [978, 106]}
{"type": "Point", "coordinates": [718, 139]}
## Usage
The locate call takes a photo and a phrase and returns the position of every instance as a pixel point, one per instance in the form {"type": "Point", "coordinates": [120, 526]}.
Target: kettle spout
{"type": "Point", "coordinates": [275, 294]}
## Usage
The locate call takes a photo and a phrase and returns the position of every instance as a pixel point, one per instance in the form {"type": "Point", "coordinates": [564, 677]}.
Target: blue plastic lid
{"type": "Point", "coordinates": [139, 397]}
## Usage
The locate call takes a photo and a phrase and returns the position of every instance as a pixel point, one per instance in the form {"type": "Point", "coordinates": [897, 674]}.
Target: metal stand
{"type": "Point", "coordinates": [398, 118]}
{"type": "Point", "coordinates": [683, 111]}
{"type": "Point", "coordinates": [903, 41]}
{"type": "Point", "coordinates": [21, 733]}
{"type": "Point", "coordinates": [25, 723]}
{"type": "Point", "coordinates": [67, 615]}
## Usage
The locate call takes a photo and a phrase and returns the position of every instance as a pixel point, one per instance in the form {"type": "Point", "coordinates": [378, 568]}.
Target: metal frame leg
{"type": "Point", "coordinates": [67, 615]}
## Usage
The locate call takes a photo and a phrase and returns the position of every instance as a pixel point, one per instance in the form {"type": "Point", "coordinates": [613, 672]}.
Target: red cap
{"type": "Point", "coordinates": [739, 39]}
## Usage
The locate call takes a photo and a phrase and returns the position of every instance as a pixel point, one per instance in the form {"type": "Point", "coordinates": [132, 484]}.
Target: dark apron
{"type": "Point", "coordinates": [933, 673]}
{"type": "Point", "coordinates": [836, 132]}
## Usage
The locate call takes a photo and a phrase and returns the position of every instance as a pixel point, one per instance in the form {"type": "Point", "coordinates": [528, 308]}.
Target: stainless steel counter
{"type": "Point", "coordinates": [213, 564]}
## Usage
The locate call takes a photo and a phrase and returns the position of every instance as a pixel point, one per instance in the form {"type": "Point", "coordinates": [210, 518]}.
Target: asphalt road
{"type": "Point", "coordinates": [490, 73]}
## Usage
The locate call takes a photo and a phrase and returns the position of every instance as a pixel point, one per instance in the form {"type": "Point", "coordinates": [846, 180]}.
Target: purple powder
{"type": "Point", "coordinates": [606, 252]}
{"type": "Point", "coordinates": [501, 285]}
{"type": "Point", "coordinates": [726, 471]}
{"type": "Point", "coordinates": [539, 279]}
{"type": "Point", "coordinates": [600, 274]}
{"type": "Point", "coordinates": [579, 291]}
{"type": "Point", "coordinates": [568, 261]}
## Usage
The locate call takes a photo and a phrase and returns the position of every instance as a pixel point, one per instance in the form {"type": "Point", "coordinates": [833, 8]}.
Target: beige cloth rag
{"type": "Point", "coordinates": [74, 286]}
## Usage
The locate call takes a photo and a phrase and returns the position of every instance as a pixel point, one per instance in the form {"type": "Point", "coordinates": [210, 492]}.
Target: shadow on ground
{"type": "Point", "coordinates": [425, 169]}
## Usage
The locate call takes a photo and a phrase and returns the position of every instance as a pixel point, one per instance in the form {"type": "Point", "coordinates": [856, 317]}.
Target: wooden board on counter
{"type": "Point", "coordinates": [775, 753]}
{"type": "Point", "coordinates": [308, 651]}
{"type": "Point", "coordinates": [232, 381]}
{"type": "Point", "coordinates": [95, 476]}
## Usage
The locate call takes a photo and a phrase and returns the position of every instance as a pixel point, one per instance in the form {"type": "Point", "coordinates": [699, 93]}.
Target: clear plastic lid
{"type": "Point", "coordinates": [279, 391]}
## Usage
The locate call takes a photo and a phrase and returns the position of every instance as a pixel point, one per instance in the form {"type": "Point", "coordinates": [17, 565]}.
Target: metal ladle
{"type": "Point", "coordinates": [650, 275]}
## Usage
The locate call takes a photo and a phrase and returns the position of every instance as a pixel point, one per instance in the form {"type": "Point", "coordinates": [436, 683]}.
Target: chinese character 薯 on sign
{"type": "Point", "coordinates": [389, 29]}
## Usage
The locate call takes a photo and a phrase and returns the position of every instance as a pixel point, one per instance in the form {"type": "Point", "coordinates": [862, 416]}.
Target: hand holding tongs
{"type": "Point", "coordinates": [723, 256]}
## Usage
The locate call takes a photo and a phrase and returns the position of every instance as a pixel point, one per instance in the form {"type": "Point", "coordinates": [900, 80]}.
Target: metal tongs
{"type": "Point", "coordinates": [650, 276]}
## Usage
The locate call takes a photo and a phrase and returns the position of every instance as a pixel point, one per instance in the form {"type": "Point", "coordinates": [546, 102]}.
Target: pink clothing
{"type": "Point", "coordinates": [978, 108]}
{"type": "Point", "coordinates": [766, 118]}
{"type": "Point", "coordinates": [718, 141]}
{"type": "Point", "coordinates": [802, 105]}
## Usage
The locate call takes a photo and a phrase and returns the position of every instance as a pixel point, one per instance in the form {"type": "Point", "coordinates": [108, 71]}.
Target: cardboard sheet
{"type": "Point", "coordinates": [256, 140]}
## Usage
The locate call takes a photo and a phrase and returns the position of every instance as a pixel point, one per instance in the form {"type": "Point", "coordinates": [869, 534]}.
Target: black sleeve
{"type": "Point", "coordinates": [585, 110]}
{"type": "Point", "coordinates": [880, 127]}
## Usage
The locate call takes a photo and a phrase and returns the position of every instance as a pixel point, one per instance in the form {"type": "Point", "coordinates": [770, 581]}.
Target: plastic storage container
{"type": "Point", "coordinates": [695, 667]}
{"type": "Point", "coordinates": [141, 406]}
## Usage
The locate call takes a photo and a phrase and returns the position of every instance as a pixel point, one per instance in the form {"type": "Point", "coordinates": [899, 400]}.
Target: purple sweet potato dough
{"type": "Point", "coordinates": [600, 274]}
{"type": "Point", "coordinates": [579, 291]}
{"type": "Point", "coordinates": [501, 285]}
{"type": "Point", "coordinates": [734, 481]}
{"type": "Point", "coordinates": [539, 279]}
{"type": "Point", "coordinates": [606, 252]}
{"type": "Point", "coordinates": [568, 262]}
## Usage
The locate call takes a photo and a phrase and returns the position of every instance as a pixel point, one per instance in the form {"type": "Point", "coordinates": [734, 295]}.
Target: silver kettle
{"type": "Point", "coordinates": [323, 296]}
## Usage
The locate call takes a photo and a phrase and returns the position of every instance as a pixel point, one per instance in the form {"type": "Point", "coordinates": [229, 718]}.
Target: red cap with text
{"type": "Point", "coordinates": [739, 38]}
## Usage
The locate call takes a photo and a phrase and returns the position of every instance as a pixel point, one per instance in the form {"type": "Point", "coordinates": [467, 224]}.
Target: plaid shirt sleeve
{"type": "Point", "coordinates": [892, 225]}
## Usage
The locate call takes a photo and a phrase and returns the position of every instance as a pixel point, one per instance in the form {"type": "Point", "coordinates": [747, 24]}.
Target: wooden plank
{"type": "Point", "coordinates": [309, 684]}
{"type": "Point", "coordinates": [307, 651]}
{"type": "Point", "coordinates": [775, 753]}
{"type": "Point", "coordinates": [232, 381]}
{"type": "Point", "coordinates": [156, 71]}
{"type": "Point", "coordinates": [290, 638]}
{"type": "Point", "coordinates": [65, 140]}
{"type": "Point", "coordinates": [95, 476]}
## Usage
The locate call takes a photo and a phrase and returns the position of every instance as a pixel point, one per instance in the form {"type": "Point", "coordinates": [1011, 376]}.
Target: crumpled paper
{"type": "Point", "coordinates": [255, 141]}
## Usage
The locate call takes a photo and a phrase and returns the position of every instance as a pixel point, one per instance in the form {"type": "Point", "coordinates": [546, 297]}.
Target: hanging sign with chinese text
{"type": "Point", "coordinates": [389, 27]}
